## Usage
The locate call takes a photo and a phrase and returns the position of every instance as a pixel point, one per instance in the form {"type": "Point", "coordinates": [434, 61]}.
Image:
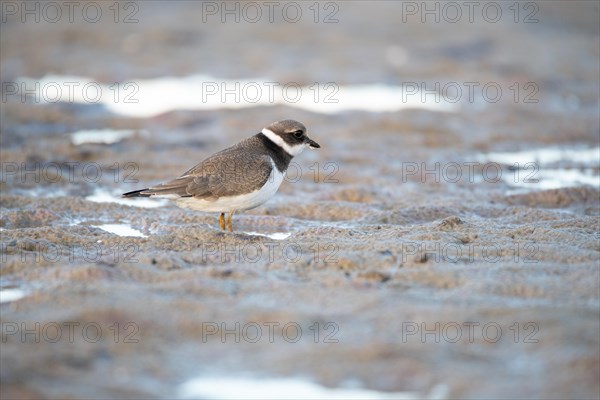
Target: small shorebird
{"type": "Point", "coordinates": [239, 178]}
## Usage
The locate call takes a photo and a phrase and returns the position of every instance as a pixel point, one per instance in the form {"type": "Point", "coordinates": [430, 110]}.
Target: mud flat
{"type": "Point", "coordinates": [440, 250]}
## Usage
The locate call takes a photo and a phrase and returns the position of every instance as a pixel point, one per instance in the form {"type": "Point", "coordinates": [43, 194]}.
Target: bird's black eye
{"type": "Point", "coordinates": [298, 134]}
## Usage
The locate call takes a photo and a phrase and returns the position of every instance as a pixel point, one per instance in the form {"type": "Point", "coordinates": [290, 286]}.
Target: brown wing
{"type": "Point", "coordinates": [225, 173]}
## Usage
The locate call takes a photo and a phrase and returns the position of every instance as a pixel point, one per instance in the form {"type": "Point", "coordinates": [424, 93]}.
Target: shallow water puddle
{"type": "Point", "coordinates": [104, 196]}
{"type": "Point", "coordinates": [101, 136]}
{"type": "Point", "coordinates": [561, 178]}
{"type": "Point", "coordinates": [245, 388]}
{"type": "Point", "coordinates": [274, 236]}
{"type": "Point", "coordinates": [121, 230]}
{"type": "Point", "coordinates": [11, 294]}
{"type": "Point", "coordinates": [532, 170]}
{"type": "Point", "coordinates": [162, 95]}
{"type": "Point", "coordinates": [585, 156]}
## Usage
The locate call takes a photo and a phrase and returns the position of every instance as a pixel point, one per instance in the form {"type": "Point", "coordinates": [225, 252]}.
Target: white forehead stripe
{"type": "Point", "coordinates": [278, 140]}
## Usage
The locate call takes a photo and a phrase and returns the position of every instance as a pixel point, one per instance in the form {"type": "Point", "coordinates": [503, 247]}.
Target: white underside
{"type": "Point", "coordinates": [236, 203]}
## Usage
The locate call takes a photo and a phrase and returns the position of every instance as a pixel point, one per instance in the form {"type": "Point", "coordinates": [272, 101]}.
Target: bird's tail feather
{"type": "Point", "coordinates": [137, 193]}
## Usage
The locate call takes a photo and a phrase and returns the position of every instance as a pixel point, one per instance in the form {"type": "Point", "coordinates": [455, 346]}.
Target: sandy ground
{"type": "Point", "coordinates": [389, 279]}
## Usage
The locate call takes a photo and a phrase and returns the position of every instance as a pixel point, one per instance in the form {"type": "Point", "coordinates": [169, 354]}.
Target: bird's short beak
{"type": "Point", "coordinates": [312, 144]}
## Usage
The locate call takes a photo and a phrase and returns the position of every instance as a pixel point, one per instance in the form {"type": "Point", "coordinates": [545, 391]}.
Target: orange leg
{"type": "Point", "coordinates": [222, 221]}
{"type": "Point", "coordinates": [229, 224]}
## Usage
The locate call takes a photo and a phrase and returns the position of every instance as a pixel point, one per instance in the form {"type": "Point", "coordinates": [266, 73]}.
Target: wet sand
{"type": "Point", "coordinates": [375, 266]}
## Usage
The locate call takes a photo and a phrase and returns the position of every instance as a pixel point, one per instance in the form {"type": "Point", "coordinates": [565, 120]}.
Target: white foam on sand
{"type": "Point", "coordinates": [101, 136]}
{"type": "Point", "coordinates": [246, 388]}
{"type": "Point", "coordinates": [149, 97]}
{"type": "Point", "coordinates": [121, 230]}
{"type": "Point", "coordinates": [103, 196]}
{"type": "Point", "coordinates": [12, 294]}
